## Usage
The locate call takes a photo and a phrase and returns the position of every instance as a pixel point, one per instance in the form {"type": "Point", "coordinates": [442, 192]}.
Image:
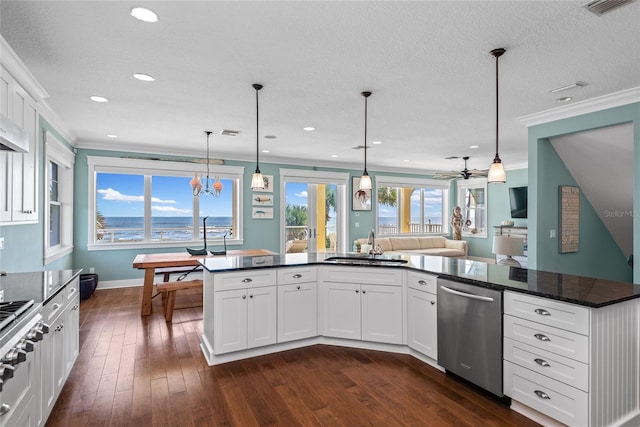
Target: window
{"type": "Point", "coordinates": [411, 206]}
{"type": "Point", "coordinates": [58, 212]}
{"type": "Point", "coordinates": [145, 203]}
{"type": "Point", "coordinates": [472, 199]}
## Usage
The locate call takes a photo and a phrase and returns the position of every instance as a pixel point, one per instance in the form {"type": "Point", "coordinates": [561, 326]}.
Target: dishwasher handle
{"type": "Point", "coordinates": [466, 294]}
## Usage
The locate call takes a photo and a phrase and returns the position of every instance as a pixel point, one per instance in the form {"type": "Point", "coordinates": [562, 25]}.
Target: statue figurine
{"type": "Point", "coordinates": [456, 223]}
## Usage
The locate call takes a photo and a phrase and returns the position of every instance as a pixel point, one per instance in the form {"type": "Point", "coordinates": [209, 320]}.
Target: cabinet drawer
{"type": "Point", "coordinates": [53, 308]}
{"type": "Point", "coordinates": [243, 280]}
{"type": "Point", "coordinates": [422, 282]}
{"type": "Point", "coordinates": [71, 291]}
{"type": "Point", "coordinates": [563, 369]}
{"type": "Point", "coordinates": [375, 276]}
{"type": "Point", "coordinates": [548, 312]}
{"type": "Point", "coordinates": [555, 399]}
{"type": "Point", "coordinates": [554, 340]}
{"type": "Point", "coordinates": [288, 276]}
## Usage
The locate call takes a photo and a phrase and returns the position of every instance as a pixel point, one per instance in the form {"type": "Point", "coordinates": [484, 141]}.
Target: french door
{"type": "Point", "coordinates": [313, 211]}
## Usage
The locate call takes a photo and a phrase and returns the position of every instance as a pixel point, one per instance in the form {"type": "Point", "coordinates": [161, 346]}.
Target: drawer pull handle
{"type": "Point", "coordinates": [542, 337]}
{"type": "Point", "coordinates": [542, 362]}
{"type": "Point", "coordinates": [422, 282]}
{"type": "Point", "coordinates": [297, 276]}
{"type": "Point", "coordinates": [542, 312]}
{"type": "Point", "coordinates": [247, 280]}
{"type": "Point", "coordinates": [542, 395]}
{"type": "Point", "coordinates": [4, 408]}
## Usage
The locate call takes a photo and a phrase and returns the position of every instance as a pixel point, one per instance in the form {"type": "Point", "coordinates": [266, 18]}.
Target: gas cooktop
{"type": "Point", "coordinates": [11, 310]}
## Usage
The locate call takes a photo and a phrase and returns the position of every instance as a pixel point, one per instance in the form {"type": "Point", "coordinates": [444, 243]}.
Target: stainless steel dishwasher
{"type": "Point", "coordinates": [470, 333]}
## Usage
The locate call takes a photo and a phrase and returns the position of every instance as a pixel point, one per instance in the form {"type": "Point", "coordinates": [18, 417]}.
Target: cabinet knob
{"type": "Point", "coordinates": [244, 297]}
{"type": "Point", "coordinates": [250, 296]}
{"type": "Point", "coordinates": [364, 292]}
{"type": "Point", "coordinates": [542, 312]}
{"type": "Point", "coordinates": [357, 291]}
{"type": "Point", "coordinates": [4, 408]}
{"type": "Point", "coordinates": [297, 276]}
{"type": "Point", "coordinates": [542, 395]}
{"type": "Point", "coordinates": [542, 362]}
{"type": "Point", "coordinates": [247, 280]}
{"type": "Point", "coordinates": [422, 282]}
{"type": "Point", "coordinates": [433, 303]}
{"type": "Point", "coordinates": [542, 337]}
{"type": "Point", "coordinates": [298, 288]}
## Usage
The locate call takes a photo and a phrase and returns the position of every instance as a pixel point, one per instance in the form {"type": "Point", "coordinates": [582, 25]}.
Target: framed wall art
{"type": "Point", "coordinates": [268, 184]}
{"type": "Point", "coordinates": [360, 199]}
{"type": "Point", "coordinates": [569, 219]}
{"type": "Point", "coordinates": [262, 213]}
{"type": "Point", "coordinates": [262, 199]}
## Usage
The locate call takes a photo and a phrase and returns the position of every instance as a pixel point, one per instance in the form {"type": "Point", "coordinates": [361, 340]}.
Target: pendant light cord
{"type": "Point", "coordinates": [497, 53]}
{"type": "Point", "coordinates": [208, 132]}
{"type": "Point", "coordinates": [366, 97]}
{"type": "Point", "coordinates": [257, 87]}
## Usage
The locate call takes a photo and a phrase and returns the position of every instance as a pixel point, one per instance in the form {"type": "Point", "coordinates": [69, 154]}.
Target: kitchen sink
{"type": "Point", "coordinates": [361, 260]}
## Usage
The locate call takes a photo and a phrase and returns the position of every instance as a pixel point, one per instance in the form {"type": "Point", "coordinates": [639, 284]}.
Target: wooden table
{"type": "Point", "coordinates": [149, 263]}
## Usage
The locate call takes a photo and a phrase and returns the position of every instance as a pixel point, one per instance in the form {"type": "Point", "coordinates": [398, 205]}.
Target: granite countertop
{"type": "Point", "coordinates": [39, 286]}
{"type": "Point", "coordinates": [580, 290]}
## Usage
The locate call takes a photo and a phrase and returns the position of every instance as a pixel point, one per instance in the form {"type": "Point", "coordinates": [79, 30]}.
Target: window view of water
{"type": "Point", "coordinates": [122, 229]}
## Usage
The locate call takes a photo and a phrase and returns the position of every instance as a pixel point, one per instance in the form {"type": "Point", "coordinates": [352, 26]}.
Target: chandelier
{"type": "Point", "coordinates": [210, 189]}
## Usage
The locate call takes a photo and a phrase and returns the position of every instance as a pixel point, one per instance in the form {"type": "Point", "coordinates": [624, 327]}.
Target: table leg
{"type": "Point", "coordinates": [147, 291]}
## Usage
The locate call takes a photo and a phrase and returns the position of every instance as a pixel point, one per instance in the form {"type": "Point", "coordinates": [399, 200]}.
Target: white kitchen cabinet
{"type": "Point", "coordinates": [567, 361]}
{"type": "Point", "coordinates": [244, 318]}
{"type": "Point", "coordinates": [18, 396]}
{"type": "Point", "coordinates": [19, 171]}
{"type": "Point", "coordinates": [297, 311]}
{"type": "Point", "coordinates": [362, 304]}
{"type": "Point", "coordinates": [422, 310]}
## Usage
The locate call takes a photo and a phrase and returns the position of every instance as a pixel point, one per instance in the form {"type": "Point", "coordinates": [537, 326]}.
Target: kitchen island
{"type": "Point", "coordinates": [570, 344]}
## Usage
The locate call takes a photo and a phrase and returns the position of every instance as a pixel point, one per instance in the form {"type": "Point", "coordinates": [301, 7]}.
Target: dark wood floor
{"type": "Point", "coordinates": [141, 371]}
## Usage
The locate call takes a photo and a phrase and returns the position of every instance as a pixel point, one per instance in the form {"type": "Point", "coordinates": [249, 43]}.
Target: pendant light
{"type": "Point", "coordinates": [496, 171]}
{"type": "Point", "coordinates": [257, 182]}
{"type": "Point", "coordinates": [365, 179]}
{"type": "Point", "coordinates": [215, 189]}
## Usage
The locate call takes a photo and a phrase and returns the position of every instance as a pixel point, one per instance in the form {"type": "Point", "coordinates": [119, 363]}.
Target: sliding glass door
{"type": "Point", "coordinates": [313, 210]}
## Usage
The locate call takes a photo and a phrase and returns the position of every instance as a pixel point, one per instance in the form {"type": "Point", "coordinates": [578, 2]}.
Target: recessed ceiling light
{"type": "Point", "coordinates": [564, 99]}
{"type": "Point", "coordinates": [474, 146]}
{"type": "Point", "coordinates": [143, 77]}
{"type": "Point", "coordinates": [334, 155]}
{"type": "Point", "coordinates": [265, 151]}
{"type": "Point", "coordinates": [143, 14]}
{"type": "Point", "coordinates": [110, 135]}
{"type": "Point", "coordinates": [406, 160]}
{"type": "Point", "coordinates": [377, 142]}
{"type": "Point", "coordinates": [309, 128]}
{"type": "Point", "coordinates": [99, 99]}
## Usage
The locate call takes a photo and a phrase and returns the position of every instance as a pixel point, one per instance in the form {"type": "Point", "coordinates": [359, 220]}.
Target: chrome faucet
{"type": "Point", "coordinates": [371, 241]}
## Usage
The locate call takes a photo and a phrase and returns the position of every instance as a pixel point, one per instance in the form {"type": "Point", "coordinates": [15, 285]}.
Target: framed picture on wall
{"type": "Point", "coordinates": [262, 199]}
{"type": "Point", "coordinates": [262, 213]}
{"type": "Point", "coordinates": [360, 199]}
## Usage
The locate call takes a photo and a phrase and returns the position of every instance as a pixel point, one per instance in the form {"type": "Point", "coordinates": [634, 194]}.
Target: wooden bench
{"type": "Point", "coordinates": [170, 289]}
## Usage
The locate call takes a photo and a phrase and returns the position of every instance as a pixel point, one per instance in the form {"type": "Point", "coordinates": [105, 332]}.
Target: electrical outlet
{"type": "Point", "coordinates": [357, 224]}
{"type": "Point", "coordinates": [1, 243]}
{"type": "Point", "coordinates": [92, 270]}
{"type": "Point", "coordinates": [552, 233]}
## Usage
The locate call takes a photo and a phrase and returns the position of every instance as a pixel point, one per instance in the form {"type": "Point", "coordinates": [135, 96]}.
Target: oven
{"type": "Point", "coordinates": [21, 331]}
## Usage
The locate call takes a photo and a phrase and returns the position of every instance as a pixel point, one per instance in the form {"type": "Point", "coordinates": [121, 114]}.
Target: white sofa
{"type": "Point", "coordinates": [424, 245]}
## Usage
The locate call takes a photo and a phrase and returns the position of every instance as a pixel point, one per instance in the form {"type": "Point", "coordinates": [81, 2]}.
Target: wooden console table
{"type": "Point", "coordinates": [149, 263]}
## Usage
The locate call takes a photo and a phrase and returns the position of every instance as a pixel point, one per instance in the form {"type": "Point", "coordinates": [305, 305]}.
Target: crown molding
{"type": "Point", "coordinates": [616, 99]}
{"type": "Point", "coordinates": [14, 65]}
{"type": "Point", "coordinates": [56, 122]}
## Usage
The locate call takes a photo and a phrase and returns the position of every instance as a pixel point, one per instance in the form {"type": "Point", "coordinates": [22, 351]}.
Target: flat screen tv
{"type": "Point", "coordinates": [518, 202]}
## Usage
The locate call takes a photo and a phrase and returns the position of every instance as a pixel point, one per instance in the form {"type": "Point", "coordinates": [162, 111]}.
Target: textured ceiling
{"type": "Point", "coordinates": [427, 64]}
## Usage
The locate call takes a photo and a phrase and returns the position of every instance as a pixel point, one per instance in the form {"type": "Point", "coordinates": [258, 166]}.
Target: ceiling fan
{"type": "Point", "coordinates": [464, 173]}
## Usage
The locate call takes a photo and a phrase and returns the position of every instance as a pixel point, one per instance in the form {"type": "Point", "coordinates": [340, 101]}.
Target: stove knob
{"type": "Point", "coordinates": [43, 327]}
{"type": "Point", "coordinates": [35, 335]}
{"type": "Point", "coordinates": [6, 371]}
{"type": "Point", "coordinates": [11, 358]}
{"type": "Point", "coordinates": [25, 345]}
{"type": "Point", "coordinates": [22, 355]}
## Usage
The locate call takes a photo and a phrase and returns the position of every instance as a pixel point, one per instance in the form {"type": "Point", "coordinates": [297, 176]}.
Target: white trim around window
{"type": "Point", "coordinates": [97, 164]}
{"type": "Point", "coordinates": [57, 152]}
{"type": "Point", "coordinates": [483, 215]}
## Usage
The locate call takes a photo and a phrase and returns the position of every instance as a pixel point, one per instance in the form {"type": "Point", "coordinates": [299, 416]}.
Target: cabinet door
{"type": "Point", "coordinates": [52, 365]}
{"type": "Point", "coordinates": [382, 313]}
{"type": "Point", "coordinates": [71, 334]}
{"type": "Point", "coordinates": [297, 311]}
{"type": "Point", "coordinates": [230, 321]}
{"type": "Point", "coordinates": [262, 316]}
{"type": "Point", "coordinates": [25, 164]}
{"type": "Point", "coordinates": [422, 323]}
{"type": "Point", "coordinates": [341, 310]}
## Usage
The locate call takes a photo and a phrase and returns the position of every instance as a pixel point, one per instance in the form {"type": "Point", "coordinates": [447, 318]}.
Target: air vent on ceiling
{"type": "Point", "coordinates": [600, 7]}
{"type": "Point", "coordinates": [228, 132]}
{"type": "Point", "coordinates": [451, 157]}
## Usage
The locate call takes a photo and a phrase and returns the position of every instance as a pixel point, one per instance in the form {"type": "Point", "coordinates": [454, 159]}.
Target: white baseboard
{"type": "Point", "coordinates": [113, 284]}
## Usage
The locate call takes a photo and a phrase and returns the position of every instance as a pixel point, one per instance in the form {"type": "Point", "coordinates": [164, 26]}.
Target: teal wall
{"type": "Point", "coordinates": [24, 244]}
{"type": "Point", "coordinates": [598, 255]}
